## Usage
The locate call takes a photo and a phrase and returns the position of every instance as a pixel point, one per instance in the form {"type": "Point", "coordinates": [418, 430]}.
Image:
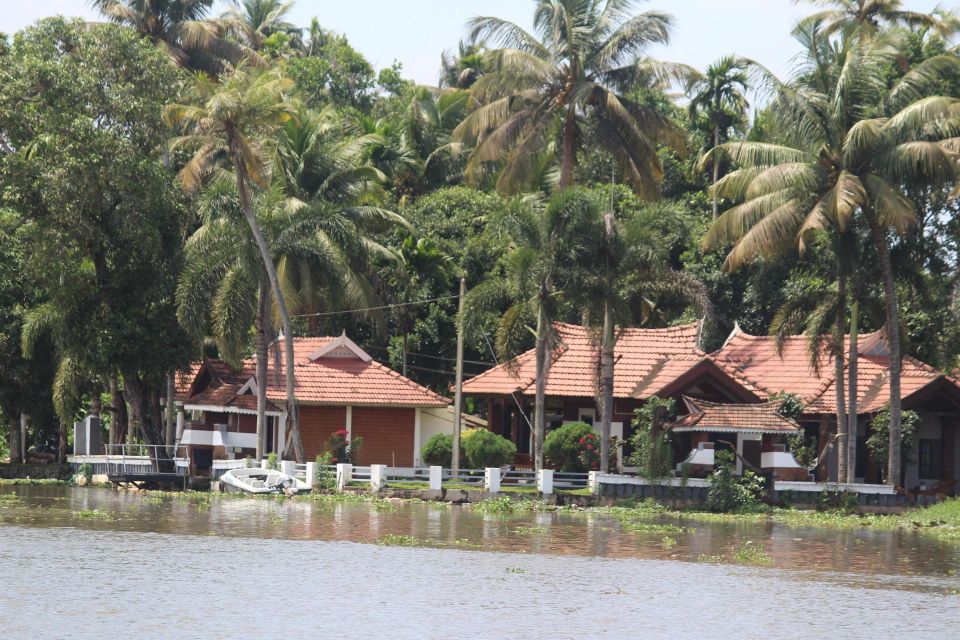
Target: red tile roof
{"type": "Point", "coordinates": [640, 355]}
{"type": "Point", "coordinates": [333, 380]}
{"type": "Point", "coordinates": [757, 360]}
{"type": "Point", "coordinates": [338, 378]}
{"type": "Point", "coordinates": [755, 418]}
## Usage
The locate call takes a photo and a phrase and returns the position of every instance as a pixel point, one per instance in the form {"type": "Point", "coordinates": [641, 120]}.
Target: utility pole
{"type": "Point", "coordinates": [458, 385]}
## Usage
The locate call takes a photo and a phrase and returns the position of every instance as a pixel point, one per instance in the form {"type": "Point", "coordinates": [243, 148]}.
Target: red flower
{"type": "Point", "coordinates": [582, 440]}
{"type": "Point", "coordinates": [589, 447]}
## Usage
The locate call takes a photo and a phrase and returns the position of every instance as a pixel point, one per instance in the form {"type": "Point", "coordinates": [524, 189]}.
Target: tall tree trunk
{"type": "Point", "coordinates": [567, 159]}
{"type": "Point", "coordinates": [853, 362]}
{"type": "Point", "coordinates": [14, 439]}
{"type": "Point", "coordinates": [62, 442]}
{"type": "Point", "coordinates": [263, 356]}
{"type": "Point", "coordinates": [607, 343]}
{"type": "Point", "coordinates": [839, 386]}
{"type": "Point", "coordinates": [879, 238]}
{"type": "Point", "coordinates": [542, 354]}
{"type": "Point", "coordinates": [170, 436]}
{"type": "Point", "coordinates": [241, 172]}
{"type": "Point", "coordinates": [716, 168]}
{"type": "Point", "coordinates": [118, 413]}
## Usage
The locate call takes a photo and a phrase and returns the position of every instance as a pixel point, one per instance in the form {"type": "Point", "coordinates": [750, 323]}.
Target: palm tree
{"type": "Point", "coordinates": [869, 17]}
{"type": "Point", "coordinates": [462, 70]}
{"type": "Point", "coordinates": [181, 29]}
{"type": "Point", "coordinates": [567, 82]}
{"type": "Point", "coordinates": [545, 244]}
{"type": "Point", "coordinates": [718, 96]}
{"type": "Point", "coordinates": [840, 164]}
{"type": "Point", "coordinates": [621, 275]}
{"type": "Point", "coordinates": [257, 20]}
{"type": "Point", "coordinates": [236, 122]}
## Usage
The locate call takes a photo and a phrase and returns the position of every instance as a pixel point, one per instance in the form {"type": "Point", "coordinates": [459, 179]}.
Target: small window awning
{"type": "Point", "coordinates": [717, 417]}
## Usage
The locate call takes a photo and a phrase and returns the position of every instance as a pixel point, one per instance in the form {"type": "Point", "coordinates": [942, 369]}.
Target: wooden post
{"type": "Point", "coordinates": [458, 388]}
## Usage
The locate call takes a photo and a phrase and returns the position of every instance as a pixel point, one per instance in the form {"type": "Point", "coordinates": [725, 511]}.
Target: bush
{"type": "Point", "coordinates": [652, 452]}
{"type": "Point", "coordinates": [728, 492]}
{"type": "Point", "coordinates": [438, 451]}
{"type": "Point", "coordinates": [878, 442]}
{"type": "Point", "coordinates": [486, 449]}
{"type": "Point", "coordinates": [342, 450]}
{"type": "Point", "coordinates": [562, 446]}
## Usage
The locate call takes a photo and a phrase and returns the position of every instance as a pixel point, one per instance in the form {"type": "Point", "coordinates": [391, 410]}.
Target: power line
{"type": "Point", "coordinates": [386, 306]}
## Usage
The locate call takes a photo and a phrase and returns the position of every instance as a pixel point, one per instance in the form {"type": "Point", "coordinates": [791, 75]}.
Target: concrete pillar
{"type": "Point", "coordinates": [594, 482]}
{"type": "Point", "coordinates": [344, 475]}
{"type": "Point", "coordinates": [289, 467]}
{"type": "Point", "coordinates": [378, 477]}
{"type": "Point", "coordinates": [416, 436]}
{"type": "Point", "coordinates": [311, 476]}
{"type": "Point", "coordinates": [436, 478]}
{"type": "Point", "coordinates": [263, 463]}
{"type": "Point", "coordinates": [491, 479]}
{"type": "Point", "coordinates": [545, 481]}
{"type": "Point", "coordinates": [349, 423]}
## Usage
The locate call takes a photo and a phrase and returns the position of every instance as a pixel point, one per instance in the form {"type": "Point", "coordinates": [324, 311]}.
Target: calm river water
{"type": "Point", "coordinates": [94, 563]}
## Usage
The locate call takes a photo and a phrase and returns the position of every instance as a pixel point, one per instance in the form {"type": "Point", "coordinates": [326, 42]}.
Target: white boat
{"type": "Point", "coordinates": [262, 481]}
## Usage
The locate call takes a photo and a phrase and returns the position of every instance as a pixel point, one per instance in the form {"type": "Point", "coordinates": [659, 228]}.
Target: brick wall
{"type": "Point", "coordinates": [387, 434]}
{"type": "Point", "coordinates": [316, 425]}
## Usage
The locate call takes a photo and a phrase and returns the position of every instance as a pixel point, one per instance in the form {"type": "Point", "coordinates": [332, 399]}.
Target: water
{"type": "Point", "coordinates": [245, 568]}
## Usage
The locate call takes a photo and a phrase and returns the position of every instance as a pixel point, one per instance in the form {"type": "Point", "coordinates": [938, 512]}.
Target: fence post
{"type": "Point", "coordinates": [545, 481]}
{"type": "Point", "coordinates": [311, 476]}
{"type": "Point", "coordinates": [594, 482]}
{"type": "Point", "coordinates": [263, 463]}
{"type": "Point", "coordinates": [491, 479]}
{"type": "Point", "coordinates": [344, 475]}
{"type": "Point", "coordinates": [378, 477]}
{"type": "Point", "coordinates": [436, 478]}
{"type": "Point", "coordinates": [289, 467]}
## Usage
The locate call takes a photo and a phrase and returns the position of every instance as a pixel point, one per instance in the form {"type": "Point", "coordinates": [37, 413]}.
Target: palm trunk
{"type": "Point", "coordinates": [62, 442]}
{"type": "Point", "coordinates": [879, 238]}
{"type": "Point", "coordinates": [716, 168]}
{"type": "Point", "coordinates": [14, 439]}
{"type": "Point", "coordinates": [542, 354]}
{"type": "Point", "coordinates": [171, 412]}
{"type": "Point", "coordinates": [853, 361]}
{"type": "Point", "coordinates": [567, 160]}
{"type": "Point", "coordinates": [606, 386]}
{"type": "Point", "coordinates": [839, 331]}
{"type": "Point", "coordinates": [248, 213]}
{"type": "Point", "coordinates": [263, 356]}
{"type": "Point", "coordinates": [118, 413]}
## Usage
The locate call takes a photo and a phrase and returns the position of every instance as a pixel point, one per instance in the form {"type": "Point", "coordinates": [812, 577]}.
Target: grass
{"type": "Point", "coordinates": [33, 481]}
{"type": "Point", "coordinates": [749, 552]}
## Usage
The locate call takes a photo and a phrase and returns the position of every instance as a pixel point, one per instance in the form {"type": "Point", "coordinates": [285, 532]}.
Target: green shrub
{"type": "Point", "coordinates": [438, 451]}
{"type": "Point", "coordinates": [727, 491]}
{"type": "Point", "coordinates": [562, 446]}
{"type": "Point", "coordinates": [486, 449]}
{"type": "Point", "coordinates": [342, 450]}
{"type": "Point", "coordinates": [652, 452]}
{"type": "Point", "coordinates": [272, 461]}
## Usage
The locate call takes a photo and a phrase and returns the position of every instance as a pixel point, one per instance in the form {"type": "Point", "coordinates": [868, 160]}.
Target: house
{"type": "Point", "coordinates": [337, 386]}
{"type": "Point", "coordinates": [746, 370]}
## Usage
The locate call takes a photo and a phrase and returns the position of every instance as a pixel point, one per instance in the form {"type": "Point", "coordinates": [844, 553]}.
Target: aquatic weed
{"type": "Point", "coordinates": [515, 570]}
{"type": "Point", "coordinates": [751, 552]}
{"type": "Point", "coordinates": [94, 514]}
{"type": "Point", "coordinates": [530, 531]}
{"type": "Point", "coordinates": [399, 540]}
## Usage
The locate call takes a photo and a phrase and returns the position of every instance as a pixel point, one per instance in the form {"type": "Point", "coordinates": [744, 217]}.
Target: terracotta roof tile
{"type": "Point", "coordinates": [712, 416]}
{"type": "Point", "coordinates": [639, 354]}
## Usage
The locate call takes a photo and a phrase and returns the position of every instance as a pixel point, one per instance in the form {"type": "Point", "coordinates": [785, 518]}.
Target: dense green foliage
{"type": "Point", "coordinates": [486, 449]}
{"type": "Point", "coordinates": [438, 450]}
{"type": "Point", "coordinates": [371, 191]}
{"type": "Point", "coordinates": [563, 447]}
{"type": "Point", "coordinates": [652, 453]}
{"type": "Point", "coordinates": [728, 491]}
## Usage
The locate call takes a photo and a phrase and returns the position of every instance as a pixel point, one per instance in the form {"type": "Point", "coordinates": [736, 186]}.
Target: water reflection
{"type": "Point", "coordinates": [866, 551]}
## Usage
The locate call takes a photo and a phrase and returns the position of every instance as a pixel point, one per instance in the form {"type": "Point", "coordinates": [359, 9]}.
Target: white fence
{"type": "Point", "coordinates": [493, 479]}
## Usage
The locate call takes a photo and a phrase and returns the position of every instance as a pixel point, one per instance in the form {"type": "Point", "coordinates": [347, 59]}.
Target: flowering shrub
{"type": "Point", "coordinates": [342, 450]}
{"type": "Point", "coordinates": [563, 446]}
{"type": "Point", "coordinates": [589, 455]}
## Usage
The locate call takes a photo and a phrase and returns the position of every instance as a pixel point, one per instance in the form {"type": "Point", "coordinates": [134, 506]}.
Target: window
{"type": "Point", "coordinates": [930, 459]}
{"type": "Point", "coordinates": [588, 415]}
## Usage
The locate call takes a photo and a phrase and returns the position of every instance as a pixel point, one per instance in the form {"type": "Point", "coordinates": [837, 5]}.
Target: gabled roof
{"type": "Point", "coordinates": [756, 359]}
{"type": "Point", "coordinates": [329, 371]}
{"type": "Point", "coordinates": [342, 375]}
{"type": "Point", "coordinates": [763, 417]}
{"type": "Point", "coordinates": [639, 354]}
